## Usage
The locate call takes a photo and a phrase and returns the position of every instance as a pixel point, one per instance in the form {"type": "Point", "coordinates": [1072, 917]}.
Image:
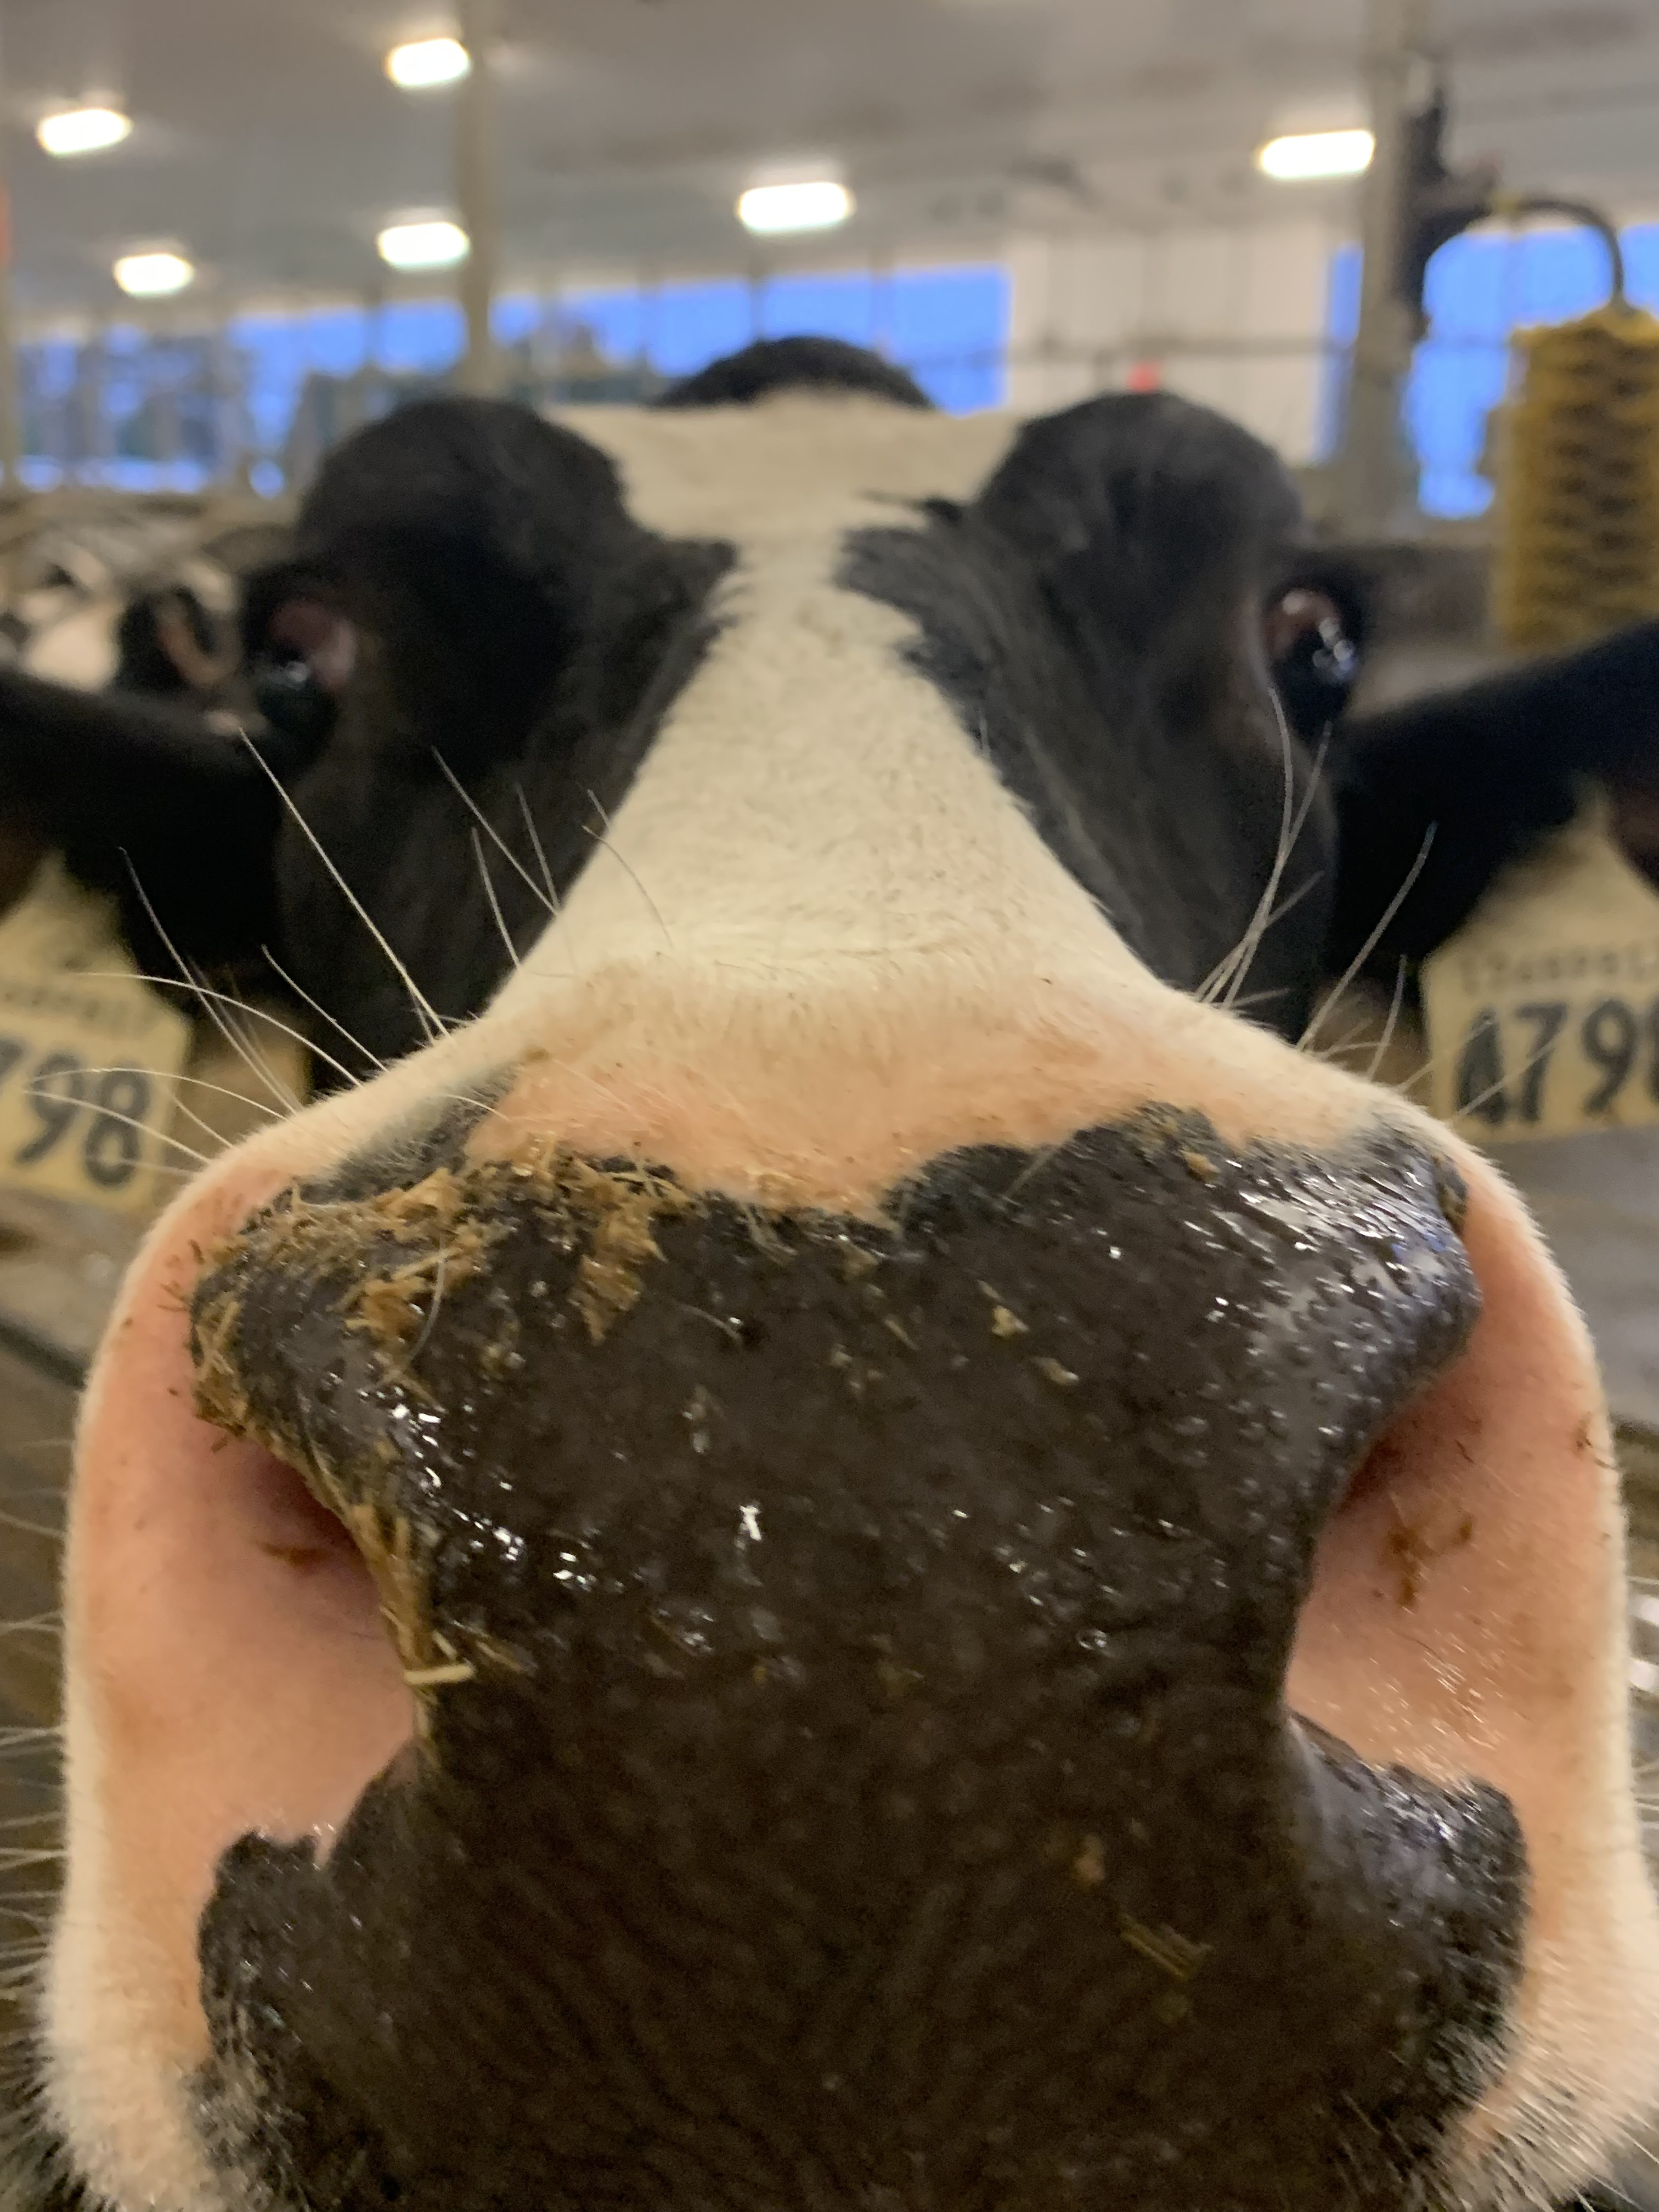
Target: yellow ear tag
{"type": "Point", "coordinates": [1542, 1014]}
{"type": "Point", "coordinates": [89, 1055]}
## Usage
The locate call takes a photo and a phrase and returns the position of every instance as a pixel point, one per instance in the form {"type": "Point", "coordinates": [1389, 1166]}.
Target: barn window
{"type": "Point", "coordinates": [145, 412]}
{"type": "Point", "coordinates": [1482, 287]}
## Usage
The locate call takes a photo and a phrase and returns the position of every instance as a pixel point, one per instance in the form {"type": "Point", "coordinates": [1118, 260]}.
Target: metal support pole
{"type": "Point", "coordinates": [11, 435]}
{"type": "Point", "coordinates": [231, 429]}
{"type": "Point", "coordinates": [477, 193]}
{"type": "Point", "coordinates": [11, 426]}
{"type": "Point", "coordinates": [1374, 486]}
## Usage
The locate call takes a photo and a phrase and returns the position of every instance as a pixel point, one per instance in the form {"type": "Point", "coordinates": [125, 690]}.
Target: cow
{"type": "Point", "coordinates": [834, 1536]}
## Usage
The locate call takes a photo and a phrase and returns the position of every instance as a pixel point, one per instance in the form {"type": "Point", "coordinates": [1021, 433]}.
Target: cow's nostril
{"type": "Point", "coordinates": [290, 1522]}
{"type": "Point", "coordinates": [289, 1526]}
{"type": "Point", "coordinates": [290, 1620]}
{"type": "Point", "coordinates": [1473, 1560]}
{"type": "Point", "coordinates": [248, 1678]}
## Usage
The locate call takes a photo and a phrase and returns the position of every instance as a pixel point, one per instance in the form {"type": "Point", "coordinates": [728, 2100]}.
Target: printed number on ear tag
{"type": "Point", "coordinates": [1542, 1014]}
{"type": "Point", "coordinates": [89, 1055]}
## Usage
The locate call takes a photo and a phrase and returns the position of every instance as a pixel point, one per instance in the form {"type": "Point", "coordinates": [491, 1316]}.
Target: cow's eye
{"type": "Point", "coordinates": [1314, 662]}
{"type": "Point", "coordinates": [288, 695]}
{"type": "Point", "coordinates": [307, 658]}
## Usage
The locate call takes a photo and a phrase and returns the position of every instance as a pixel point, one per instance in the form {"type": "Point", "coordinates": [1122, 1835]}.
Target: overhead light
{"type": "Point", "coordinates": [82, 130]}
{"type": "Point", "coordinates": [153, 276]}
{"type": "Point", "coordinates": [767, 210]}
{"type": "Point", "coordinates": [1307, 155]}
{"type": "Point", "coordinates": [426, 62]}
{"type": "Point", "coordinates": [423, 245]}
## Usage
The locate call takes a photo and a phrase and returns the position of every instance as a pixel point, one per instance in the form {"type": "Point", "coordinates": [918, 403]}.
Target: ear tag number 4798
{"type": "Point", "coordinates": [1543, 1011]}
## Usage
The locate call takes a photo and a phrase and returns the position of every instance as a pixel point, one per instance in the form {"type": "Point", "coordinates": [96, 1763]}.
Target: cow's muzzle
{"type": "Point", "coordinates": [853, 1764]}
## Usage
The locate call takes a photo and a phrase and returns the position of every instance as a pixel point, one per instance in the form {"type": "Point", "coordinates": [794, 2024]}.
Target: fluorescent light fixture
{"type": "Point", "coordinates": [426, 62]}
{"type": "Point", "coordinates": [82, 130]}
{"type": "Point", "coordinates": [423, 245]}
{"type": "Point", "coordinates": [153, 276]}
{"type": "Point", "coordinates": [1307, 155]}
{"type": "Point", "coordinates": [771, 209]}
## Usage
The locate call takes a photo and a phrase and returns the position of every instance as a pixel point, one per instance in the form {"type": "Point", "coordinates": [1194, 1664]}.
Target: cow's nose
{"type": "Point", "coordinates": [850, 1663]}
{"type": "Point", "coordinates": [1035, 1406]}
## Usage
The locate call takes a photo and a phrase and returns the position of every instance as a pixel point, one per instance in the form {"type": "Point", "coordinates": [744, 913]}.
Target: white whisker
{"type": "Point", "coordinates": [1394, 1005]}
{"type": "Point", "coordinates": [173, 1143]}
{"type": "Point", "coordinates": [15, 1522]}
{"type": "Point", "coordinates": [490, 831]}
{"type": "Point", "coordinates": [333, 1021]}
{"type": "Point", "coordinates": [1289, 827]}
{"type": "Point", "coordinates": [203, 1083]}
{"type": "Point", "coordinates": [495, 903]}
{"type": "Point", "coordinates": [1205, 992]}
{"type": "Point", "coordinates": [431, 1021]}
{"type": "Point", "coordinates": [219, 1020]}
{"type": "Point", "coordinates": [206, 992]}
{"type": "Point", "coordinates": [1306, 1039]}
{"type": "Point", "coordinates": [536, 846]}
{"type": "Point", "coordinates": [1437, 1060]}
{"type": "Point", "coordinates": [605, 845]}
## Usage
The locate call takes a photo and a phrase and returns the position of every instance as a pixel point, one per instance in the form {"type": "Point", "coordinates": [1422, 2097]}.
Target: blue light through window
{"type": "Point", "coordinates": [146, 410]}
{"type": "Point", "coordinates": [1480, 290]}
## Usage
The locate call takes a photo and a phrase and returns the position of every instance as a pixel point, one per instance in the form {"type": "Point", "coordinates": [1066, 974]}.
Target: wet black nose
{"type": "Point", "coordinates": [1118, 1387]}
{"type": "Point", "coordinates": [857, 1767]}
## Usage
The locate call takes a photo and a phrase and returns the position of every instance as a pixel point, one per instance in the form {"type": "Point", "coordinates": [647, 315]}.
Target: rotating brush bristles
{"type": "Point", "coordinates": [1578, 547]}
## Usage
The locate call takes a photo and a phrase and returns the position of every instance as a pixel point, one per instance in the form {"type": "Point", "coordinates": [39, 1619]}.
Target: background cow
{"type": "Point", "coordinates": [861, 1550]}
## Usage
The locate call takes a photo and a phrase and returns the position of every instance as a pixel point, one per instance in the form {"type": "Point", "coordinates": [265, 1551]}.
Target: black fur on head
{"type": "Point", "coordinates": [1094, 616]}
{"type": "Point", "coordinates": [773, 365]}
{"type": "Point", "coordinates": [472, 535]}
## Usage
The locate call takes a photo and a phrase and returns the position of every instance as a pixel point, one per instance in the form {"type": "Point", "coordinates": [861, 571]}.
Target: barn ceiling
{"type": "Point", "coordinates": [270, 145]}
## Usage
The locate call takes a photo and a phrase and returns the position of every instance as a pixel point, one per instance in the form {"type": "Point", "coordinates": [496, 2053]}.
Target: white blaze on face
{"type": "Point", "coordinates": [822, 946]}
{"type": "Point", "coordinates": [811, 809]}
{"type": "Point", "coordinates": [816, 865]}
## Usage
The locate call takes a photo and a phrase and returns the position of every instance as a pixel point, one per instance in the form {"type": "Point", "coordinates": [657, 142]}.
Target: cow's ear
{"type": "Point", "coordinates": [1485, 769]}
{"type": "Point", "coordinates": [465, 542]}
{"type": "Point", "coordinates": [158, 804]}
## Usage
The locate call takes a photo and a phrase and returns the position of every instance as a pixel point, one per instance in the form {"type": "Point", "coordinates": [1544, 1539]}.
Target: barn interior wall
{"type": "Point", "coordinates": [1237, 318]}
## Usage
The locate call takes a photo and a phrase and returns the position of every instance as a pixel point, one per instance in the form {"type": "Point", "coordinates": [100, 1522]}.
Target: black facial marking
{"type": "Point", "coordinates": [566, 774]}
{"type": "Point", "coordinates": [874, 1785]}
{"type": "Point", "coordinates": [1094, 619]}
